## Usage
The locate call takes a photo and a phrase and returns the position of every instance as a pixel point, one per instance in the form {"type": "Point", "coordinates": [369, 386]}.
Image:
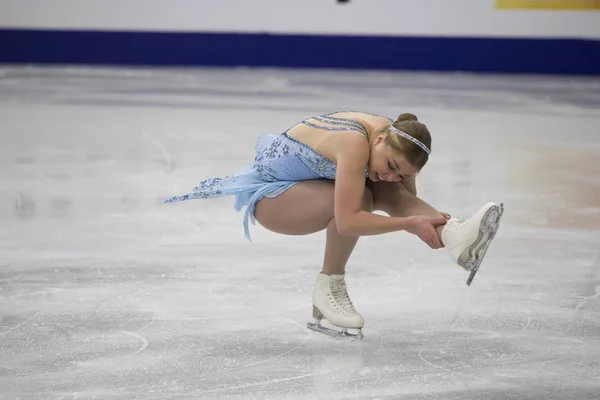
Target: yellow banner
{"type": "Point", "coordinates": [549, 4]}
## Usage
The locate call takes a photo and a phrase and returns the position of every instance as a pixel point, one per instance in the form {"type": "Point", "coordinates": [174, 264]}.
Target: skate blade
{"type": "Point", "coordinates": [343, 334]}
{"type": "Point", "coordinates": [489, 226]}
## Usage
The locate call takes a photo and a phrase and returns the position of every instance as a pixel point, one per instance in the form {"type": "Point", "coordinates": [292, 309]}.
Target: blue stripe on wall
{"type": "Point", "coordinates": [507, 55]}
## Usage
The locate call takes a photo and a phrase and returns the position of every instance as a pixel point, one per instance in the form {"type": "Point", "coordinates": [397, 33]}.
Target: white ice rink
{"type": "Point", "coordinates": [107, 293]}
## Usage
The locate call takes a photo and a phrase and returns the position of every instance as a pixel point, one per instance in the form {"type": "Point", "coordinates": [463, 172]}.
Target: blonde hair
{"type": "Point", "coordinates": [409, 124]}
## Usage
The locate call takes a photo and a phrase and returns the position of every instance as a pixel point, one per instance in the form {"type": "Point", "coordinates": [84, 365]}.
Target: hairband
{"type": "Point", "coordinates": [412, 139]}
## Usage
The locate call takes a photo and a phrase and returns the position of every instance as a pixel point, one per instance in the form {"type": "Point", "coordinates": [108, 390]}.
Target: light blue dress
{"type": "Point", "coordinates": [281, 162]}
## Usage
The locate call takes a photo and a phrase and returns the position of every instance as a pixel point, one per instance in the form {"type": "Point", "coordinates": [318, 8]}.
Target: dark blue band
{"type": "Point", "coordinates": [505, 55]}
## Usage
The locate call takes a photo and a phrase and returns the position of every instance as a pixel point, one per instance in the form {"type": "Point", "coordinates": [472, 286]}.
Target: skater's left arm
{"type": "Point", "coordinates": [410, 184]}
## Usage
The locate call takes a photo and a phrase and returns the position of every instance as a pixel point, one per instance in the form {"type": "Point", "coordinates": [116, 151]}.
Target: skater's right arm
{"type": "Point", "coordinates": [352, 155]}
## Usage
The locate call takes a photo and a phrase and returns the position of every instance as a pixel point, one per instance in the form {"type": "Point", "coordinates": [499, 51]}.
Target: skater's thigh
{"type": "Point", "coordinates": [305, 208]}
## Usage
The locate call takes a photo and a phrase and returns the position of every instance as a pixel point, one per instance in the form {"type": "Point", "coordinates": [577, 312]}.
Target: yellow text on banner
{"type": "Point", "coordinates": [549, 4]}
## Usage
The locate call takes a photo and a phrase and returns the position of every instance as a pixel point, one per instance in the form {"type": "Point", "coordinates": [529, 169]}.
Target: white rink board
{"type": "Point", "coordinates": [468, 18]}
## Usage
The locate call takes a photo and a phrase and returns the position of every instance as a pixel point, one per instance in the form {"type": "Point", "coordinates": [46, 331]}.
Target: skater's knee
{"type": "Point", "coordinates": [390, 197]}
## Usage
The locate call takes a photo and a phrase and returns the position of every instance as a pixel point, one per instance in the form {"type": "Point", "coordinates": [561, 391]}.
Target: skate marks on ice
{"type": "Point", "coordinates": [4, 332]}
{"type": "Point", "coordinates": [352, 372]}
{"type": "Point", "coordinates": [209, 357]}
{"type": "Point", "coordinates": [108, 294]}
{"type": "Point", "coordinates": [7, 331]}
{"type": "Point", "coordinates": [586, 300]}
{"type": "Point", "coordinates": [166, 159]}
{"type": "Point", "coordinates": [137, 335]}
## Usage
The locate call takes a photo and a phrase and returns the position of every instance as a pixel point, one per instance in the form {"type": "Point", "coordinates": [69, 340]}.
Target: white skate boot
{"type": "Point", "coordinates": [468, 240]}
{"type": "Point", "coordinates": [331, 301]}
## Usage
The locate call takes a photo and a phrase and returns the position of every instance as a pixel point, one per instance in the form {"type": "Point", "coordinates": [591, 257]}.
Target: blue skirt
{"type": "Point", "coordinates": [247, 186]}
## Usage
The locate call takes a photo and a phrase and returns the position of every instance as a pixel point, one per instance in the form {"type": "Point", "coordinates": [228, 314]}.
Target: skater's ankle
{"type": "Point", "coordinates": [329, 272]}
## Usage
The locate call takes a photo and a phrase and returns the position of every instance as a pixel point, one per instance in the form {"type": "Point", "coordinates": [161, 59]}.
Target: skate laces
{"type": "Point", "coordinates": [340, 294]}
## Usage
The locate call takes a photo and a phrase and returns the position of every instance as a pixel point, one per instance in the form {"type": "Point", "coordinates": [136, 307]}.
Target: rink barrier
{"type": "Point", "coordinates": [474, 54]}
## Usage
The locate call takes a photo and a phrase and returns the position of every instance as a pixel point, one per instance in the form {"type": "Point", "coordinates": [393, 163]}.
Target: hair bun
{"type": "Point", "coordinates": [407, 117]}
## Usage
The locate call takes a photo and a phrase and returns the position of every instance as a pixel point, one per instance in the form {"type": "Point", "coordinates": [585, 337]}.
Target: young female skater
{"type": "Point", "coordinates": [330, 172]}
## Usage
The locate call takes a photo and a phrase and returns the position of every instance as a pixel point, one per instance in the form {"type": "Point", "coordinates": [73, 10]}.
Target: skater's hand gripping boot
{"type": "Point", "coordinates": [424, 227]}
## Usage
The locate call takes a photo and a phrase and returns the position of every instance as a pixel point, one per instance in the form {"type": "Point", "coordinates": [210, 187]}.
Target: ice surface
{"type": "Point", "coordinates": [107, 293]}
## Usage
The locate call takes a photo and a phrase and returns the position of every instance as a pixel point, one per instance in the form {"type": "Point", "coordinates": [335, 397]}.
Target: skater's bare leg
{"type": "Point", "coordinates": [338, 248]}
{"type": "Point", "coordinates": [393, 199]}
{"type": "Point", "coordinates": [306, 208]}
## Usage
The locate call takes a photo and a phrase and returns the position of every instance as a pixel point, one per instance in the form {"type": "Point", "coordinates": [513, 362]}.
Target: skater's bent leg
{"type": "Point", "coordinates": [393, 199]}
{"type": "Point", "coordinates": [308, 207]}
{"type": "Point", "coordinates": [305, 208]}
{"type": "Point", "coordinates": [338, 248]}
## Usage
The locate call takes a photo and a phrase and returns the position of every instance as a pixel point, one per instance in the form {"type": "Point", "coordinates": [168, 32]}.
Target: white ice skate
{"type": "Point", "coordinates": [468, 240]}
{"type": "Point", "coordinates": [331, 301]}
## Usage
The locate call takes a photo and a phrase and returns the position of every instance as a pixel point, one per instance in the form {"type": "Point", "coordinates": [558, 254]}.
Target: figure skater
{"type": "Point", "coordinates": [331, 172]}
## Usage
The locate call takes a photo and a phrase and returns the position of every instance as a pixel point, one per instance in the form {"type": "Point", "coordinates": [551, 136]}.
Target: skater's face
{"type": "Point", "coordinates": [387, 165]}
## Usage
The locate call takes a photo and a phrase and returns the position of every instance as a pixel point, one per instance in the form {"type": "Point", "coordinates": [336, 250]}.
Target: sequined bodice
{"type": "Point", "coordinates": [281, 157]}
